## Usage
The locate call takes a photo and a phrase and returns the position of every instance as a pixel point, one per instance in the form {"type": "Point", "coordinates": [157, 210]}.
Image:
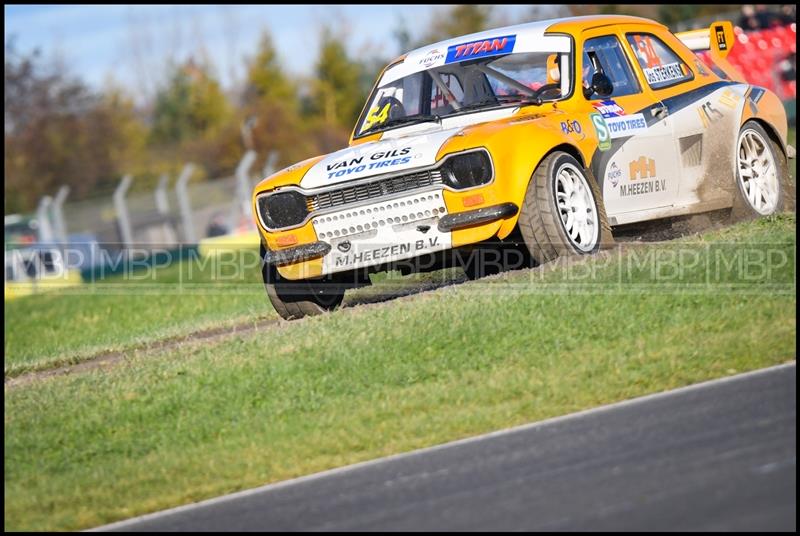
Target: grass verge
{"type": "Point", "coordinates": [148, 434]}
{"type": "Point", "coordinates": [120, 312]}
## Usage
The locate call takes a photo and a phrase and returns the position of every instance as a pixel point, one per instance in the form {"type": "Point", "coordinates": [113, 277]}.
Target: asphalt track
{"type": "Point", "coordinates": [714, 456]}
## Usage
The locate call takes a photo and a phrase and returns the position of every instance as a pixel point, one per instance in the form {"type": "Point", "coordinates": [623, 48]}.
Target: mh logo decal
{"type": "Point", "coordinates": [642, 179]}
{"type": "Point", "coordinates": [643, 168]}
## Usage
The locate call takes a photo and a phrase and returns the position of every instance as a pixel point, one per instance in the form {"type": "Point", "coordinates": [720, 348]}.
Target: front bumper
{"type": "Point", "coordinates": [477, 217]}
{"type": "Point", "coordinates": [294, 254]}
{"type": "Point", "coordinates": [384, 232]}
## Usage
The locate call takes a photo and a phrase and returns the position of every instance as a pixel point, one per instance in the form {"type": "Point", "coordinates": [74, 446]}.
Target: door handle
{"type": "Point", "coordinates": [659, 110]}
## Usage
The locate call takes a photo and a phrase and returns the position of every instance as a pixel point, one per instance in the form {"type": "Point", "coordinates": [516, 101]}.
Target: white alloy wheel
{"type": "Point", "coordinates": [576, 207]}
{"type": "Point", "coordinates": [757, 172]}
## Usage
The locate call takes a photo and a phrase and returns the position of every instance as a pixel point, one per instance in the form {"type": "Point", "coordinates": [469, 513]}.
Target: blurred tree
{"type": "Point", "coordinates": [458, 20]}
{"type": "Point", "coordinates": [280, 128]}
{"type": "Point", "coordinates": [668, 14]}
{"type": "Point", "coordinates": [266, 78]}
{"type": "Point", "coordinates": [129, 140]}
{"type": "Point", "coordinates": [579, 10]}
{"type": "Point", "coordinates": [33, 90]}
{"type": "Point", "coordinates": [539, 12]}
{"type": "Point", "coordinates": [337, 94]}
{"type": "Point", "coordinates": [402, 35]}
{"type": "Point", "coordinates": [191, 105]}
{"type": "Point", "coordinates": [673, 14]}
{"type": "Point", "coordinates": [58, 132]}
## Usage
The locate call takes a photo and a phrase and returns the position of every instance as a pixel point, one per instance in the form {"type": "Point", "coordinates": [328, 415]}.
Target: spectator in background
{"type": "Point", "coordinates": [764, 17]}
{"type": "Point", "coordinates": [217, 226]}
{"type": "Point", "coordinates": [788, 67]}
{"type": "Point", "coordinates": [788, 14]}
{"type": "Point", "coordinates": [748, 21]}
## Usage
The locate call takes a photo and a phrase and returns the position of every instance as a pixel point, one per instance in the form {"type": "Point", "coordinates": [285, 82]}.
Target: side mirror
{"type": "Point", "coordinates": [601, 84]}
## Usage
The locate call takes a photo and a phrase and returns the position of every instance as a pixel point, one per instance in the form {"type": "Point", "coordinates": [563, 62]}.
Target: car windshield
{"type": "Point", "coordinates": [457, 88]}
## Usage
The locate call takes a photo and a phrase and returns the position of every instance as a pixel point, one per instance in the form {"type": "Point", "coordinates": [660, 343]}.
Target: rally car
{"type": "Point", "coordinates": [552, 132]}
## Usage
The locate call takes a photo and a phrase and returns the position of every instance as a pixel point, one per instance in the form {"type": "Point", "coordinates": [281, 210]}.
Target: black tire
{"type": "Point", "coordinates": [540, 223]}
{"type": "Point", "coordinates": [296, 299]}
{"type": "Point", "coordinates": [742, 208]}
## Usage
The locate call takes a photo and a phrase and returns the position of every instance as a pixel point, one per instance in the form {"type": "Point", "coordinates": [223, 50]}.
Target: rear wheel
{"type": "Point", "coordinates": [762, 174]}
{"type": "Point", "coordinates": [563, 212]}
{"type": "Point", "coordinates": [296, 299]}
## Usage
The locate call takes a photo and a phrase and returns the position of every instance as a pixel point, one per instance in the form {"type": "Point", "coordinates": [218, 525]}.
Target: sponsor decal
{"type": "Point", "coordinates": [569, 127]}
{"type": "Point", "coordinates": [664, 73]}
{"type": "Point", "coordinates": [643, 179]}
{"type": "Point", "coordinates": [720, 33]}
{"type": "Point", "coordinates": [614, 174]}
{"type": "Point", "coordinates": [626, 125]}
{"type": "Point", "coordinates": [415, 150]}
{"type": "Point", "coordinates": [643, 168]}
{"type": "Point", "coordinates": [376, 116]}
{"type": "Point", "coordinates": [481, 49]}
{"type": "Point", "coordinates": [375, 161]}
{"type": "Point", "coordinates": [646, 51]}
{"type": "Point", "coordinates": [756, 93]}
{"type": "Point", "coordinates": [344, 246]}
{"type": "Point", "coordinates": [709, 114]}
{"type": "Point", "coordinates": [729, 98]}
{"type": "Point", "coordinates": [386, 252]}
{"type": "Point", "coordinates": [603, 133]}
{"type": "Point", "coordinates": [608, 108]}
{"type": "Point", "coordinates": [701, 68]}
{"type": "Point", "coordinates": [430, 58]}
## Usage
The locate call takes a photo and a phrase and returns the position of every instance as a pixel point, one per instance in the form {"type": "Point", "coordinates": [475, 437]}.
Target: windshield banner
{"type": "Point", "coordinates": [481, 49]}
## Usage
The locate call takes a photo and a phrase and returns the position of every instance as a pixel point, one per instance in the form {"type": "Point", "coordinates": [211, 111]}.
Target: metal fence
{"type": "Point", "coordinates": [179, 210]}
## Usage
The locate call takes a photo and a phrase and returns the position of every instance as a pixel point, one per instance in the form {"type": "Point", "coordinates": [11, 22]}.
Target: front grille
{"type": "Point", "coordinates": [372, 190]}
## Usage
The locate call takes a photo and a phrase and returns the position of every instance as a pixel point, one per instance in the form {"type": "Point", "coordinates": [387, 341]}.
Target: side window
{"type": "Point", "coordinates": [606, 53]}
{"type": "Point", "coordinates": [529, 69]}
{"type": "Point", "coordinates": [412, 90]}
{"type": "Point", "coordinates": [439, 101]}
{"type": "Point", "coordinates": [662, 67]}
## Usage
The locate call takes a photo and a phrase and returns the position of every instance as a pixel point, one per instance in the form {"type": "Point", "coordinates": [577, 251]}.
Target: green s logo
{"type": "Point", "coordinates": [603, 134]}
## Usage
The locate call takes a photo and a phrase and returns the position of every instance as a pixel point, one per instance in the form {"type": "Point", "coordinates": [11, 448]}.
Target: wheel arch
{"type": "Point", "coordinates": [508, 226]}
{"type": "Point", "coordinates": [772, 132]}
{"type": "Point", "coordinates": [569, 149]}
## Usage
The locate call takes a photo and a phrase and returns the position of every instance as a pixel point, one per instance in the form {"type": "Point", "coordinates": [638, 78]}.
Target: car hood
{"type": "Point", "coordinates": [377, 158]}
{"type": "Point", "coordinates": [405, 148]}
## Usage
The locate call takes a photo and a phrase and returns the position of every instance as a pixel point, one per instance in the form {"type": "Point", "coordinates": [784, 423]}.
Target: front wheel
{"type": "Point", "coordinates": [296, 299]}
{"type": "Point", "coordinates": [563, 212]}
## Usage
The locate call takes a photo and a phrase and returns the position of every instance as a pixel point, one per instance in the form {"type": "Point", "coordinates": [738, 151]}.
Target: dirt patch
{"type": "Point", "coordinates": [672, 228]}
{"type": "Point", "coordinates": [718, 180]}
{"type": "Point", "coordinates": [110, 358]}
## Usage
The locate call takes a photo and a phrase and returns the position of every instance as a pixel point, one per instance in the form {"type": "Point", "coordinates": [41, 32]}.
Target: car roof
{"type": "Point", "coordinates": [528, 37]}
{"type": "Point", "coordinates": [564, 24]}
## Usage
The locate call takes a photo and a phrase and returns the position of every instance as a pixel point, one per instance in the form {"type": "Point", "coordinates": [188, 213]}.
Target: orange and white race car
{"type": "Point", "coordinates": [546, 135]}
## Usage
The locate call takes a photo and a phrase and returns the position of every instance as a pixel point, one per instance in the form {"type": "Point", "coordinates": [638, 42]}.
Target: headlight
{"type": "Point", "coordinates": [467, 170]}
{"type": "Point", "coordinates": [284, 209]}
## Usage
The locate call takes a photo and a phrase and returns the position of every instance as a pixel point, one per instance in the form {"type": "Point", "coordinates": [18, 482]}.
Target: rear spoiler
{"type": "Point", "coordinates": [718, 40]}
